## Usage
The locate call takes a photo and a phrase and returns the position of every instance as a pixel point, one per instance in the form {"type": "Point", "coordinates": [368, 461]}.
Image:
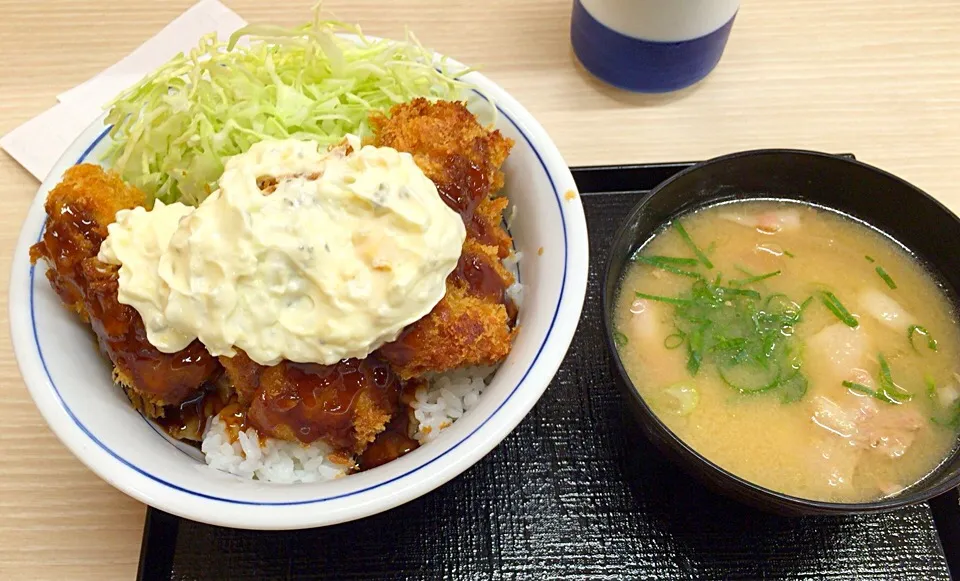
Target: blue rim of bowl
{"type": "Point", "coordinates": [159, 480]}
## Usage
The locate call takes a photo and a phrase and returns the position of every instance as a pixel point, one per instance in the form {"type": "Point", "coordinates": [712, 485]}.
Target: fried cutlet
{"type": "Point", "coordinates": [472, 324]}
{"type": "Point", "coordinates": [487, 226]}
{"type": "Point", "coordinates": [447, 142]}
{"type": "Point", "coordinates": [244, 373]}
{"type": "Point", "coordinates": [345, 405]}
{"type": "Point", "coordinates": [78, 212]}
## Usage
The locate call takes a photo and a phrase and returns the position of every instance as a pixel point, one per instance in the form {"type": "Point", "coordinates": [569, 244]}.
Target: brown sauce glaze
{"type": "Point", "coordinates": [70, 243]}
{"type": "Point", "coordinates": [395, 440]}
{"type": "Point", "coordinates": [188, 420]}
{"type": "Point", "coordinates": [171, 377]}
{"type": "Point", "coordinates": [478, 229]}
{"type": "Point", "coordinates": [307, 401]}
{"type": "Point", "coordinates": [483, 280]}
{"type": "Point", "coordinates": [244, 374]}
{"type": "Point", "coordinates": [67, 241]}
{"type": "Point", "coordinates": [465, 187]}
{"type": "Point", "coordinates": [235, 416]}
{"type": "Point", "coordinates": [478, 276]}
{"type": "Point", "coordinates": [398, 352]}
{"type": "Point", "coordinates": [391, 443]}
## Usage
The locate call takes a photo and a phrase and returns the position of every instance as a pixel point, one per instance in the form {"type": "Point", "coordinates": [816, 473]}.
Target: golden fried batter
{"type": "Point", "coordinates": [472, 324]}
{"type": "Point", "coordinates": [345, 405]}
{"type": "Point", "coordinates": [244, 373]}
{"type": "Point", "coordinates": [487, 226]}
{"type": "Point", "coordinates": [451, 147]}
{"type": "Point", "coordinates": [79, 210]}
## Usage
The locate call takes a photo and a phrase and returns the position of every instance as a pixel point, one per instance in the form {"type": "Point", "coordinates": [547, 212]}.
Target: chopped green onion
{"type": "Point", "coordinates": [695, 349]}
{"type": "Point", "coordinates": [693, 246]}
{"type": "Point", "coordinates": [864, 389]}
{"type": "Point", "coordinates": [954, 419]}
{"type": "Point", "coordinates": [740, 292]}
{"type": "Point", "coordinates": [744, 335]}
{"type": "Point", "coordinates": [731, 344]}
{"type": "Point", "coordinates": [793, 388]}
{"type": "Point", "coordinates": [951, 423]}
{"type": "Point", "coordinates": [620, 339]}
{"type": "Point", "coordinates": [886, 278]}
{"type": "Point", "coordinates": [753, 279]}
{"type": "Point", "coordinates": [888, 388]}
{"type": "Point", "coordinates": [869, 259]}
{"type": "Point", "coordinates": [674, 260]}
{"type": "Point", "coordinates": [656, 262]}
{"type": "Point", "coordinates": [662, 299]}
{"type": "Point", "coordinates": [673, 341]}
{"type": "Point", "coordinates": [788, 253]}
{"type": "Point", "coordinates": [750, 377]}
{"type": "Point", "coordinates": [897, 396]}
{"type": "Point", "coordinates": [831, 301]}
{"type": "Point", "coordinates": [931, 342]}
{"type": "Point", "coordinates": [889, 391]}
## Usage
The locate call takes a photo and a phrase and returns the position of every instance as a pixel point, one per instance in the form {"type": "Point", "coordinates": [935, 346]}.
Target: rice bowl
{"type": "Point", "coordinates": [127, 452]}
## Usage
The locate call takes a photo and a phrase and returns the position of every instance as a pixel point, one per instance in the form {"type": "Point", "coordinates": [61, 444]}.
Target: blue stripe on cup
{"type": "Point", "coordinates": [641, 65]}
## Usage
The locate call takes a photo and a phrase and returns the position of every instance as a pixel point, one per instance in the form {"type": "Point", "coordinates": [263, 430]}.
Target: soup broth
{"type": "Point", "coordinates": [795, 348]}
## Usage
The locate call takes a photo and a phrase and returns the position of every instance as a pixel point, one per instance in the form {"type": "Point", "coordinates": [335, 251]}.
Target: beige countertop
{"type": "Point", "coordinates": [879, 78]}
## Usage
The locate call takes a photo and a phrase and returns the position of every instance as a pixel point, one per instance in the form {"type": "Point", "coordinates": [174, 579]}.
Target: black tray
{"type": "Point", "coordinates": [574, 492]}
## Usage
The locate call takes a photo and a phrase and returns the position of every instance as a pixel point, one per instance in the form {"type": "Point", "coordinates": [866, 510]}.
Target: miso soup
{"type": "Point", "coordinates": [794, 347]}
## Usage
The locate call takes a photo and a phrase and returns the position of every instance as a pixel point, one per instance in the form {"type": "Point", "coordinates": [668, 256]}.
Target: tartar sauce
{"type": "Point", "coordinates": [306, 255]}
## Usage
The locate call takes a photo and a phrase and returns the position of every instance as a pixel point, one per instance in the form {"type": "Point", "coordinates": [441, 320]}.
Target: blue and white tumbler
{"type": "Point", "coordinates": [651, 46]}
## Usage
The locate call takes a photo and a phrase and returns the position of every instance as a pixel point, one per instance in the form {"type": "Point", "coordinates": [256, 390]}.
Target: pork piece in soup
{"type": "Point", "coordinates": [794, 347]}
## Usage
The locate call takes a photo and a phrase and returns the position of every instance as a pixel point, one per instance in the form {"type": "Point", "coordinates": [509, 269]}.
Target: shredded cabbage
{"type": "Point", "coordinates": [174, 129]}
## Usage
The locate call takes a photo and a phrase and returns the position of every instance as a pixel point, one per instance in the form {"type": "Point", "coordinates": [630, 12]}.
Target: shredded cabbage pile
{"type": "Point", "coordinates": [173, 131]}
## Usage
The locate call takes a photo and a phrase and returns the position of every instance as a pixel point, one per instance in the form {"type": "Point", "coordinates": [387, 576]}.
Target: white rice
{"type": "Point", "coordinates": [510, 217]}
{"type": "Point", "coordinates": [515, 291]}
{"type": "Point", "coordinates": [272, 461]}
{"type": "Point", "coordinates": [446, 399]}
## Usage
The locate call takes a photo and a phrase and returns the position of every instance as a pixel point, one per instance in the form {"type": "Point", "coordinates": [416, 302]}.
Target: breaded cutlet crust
{"type": "Point", "coordinates": [79, 209]}
{"type": "Point", "coordinates": [472, 324]}
{"type": "Point", "coordinates": [345, 405]}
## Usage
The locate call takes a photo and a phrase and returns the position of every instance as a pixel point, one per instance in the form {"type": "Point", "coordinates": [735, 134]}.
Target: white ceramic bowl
{"type": "Point", "coordinates": [70, 381]}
